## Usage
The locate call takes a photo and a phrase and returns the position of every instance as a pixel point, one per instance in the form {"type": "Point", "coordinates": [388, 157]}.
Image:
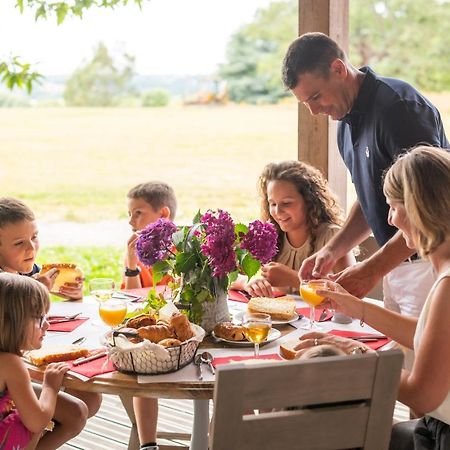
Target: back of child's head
{"type": "Point", "coordinates": [157, 194]}
{"type": "Point", "coordinates": [319, 351]}
{"type": "Point", "coordinates": [321, 204]}
{"type": "Point", "coordinates": [22, 299]}
{"type": "Point", "coordinates": [13, 210]}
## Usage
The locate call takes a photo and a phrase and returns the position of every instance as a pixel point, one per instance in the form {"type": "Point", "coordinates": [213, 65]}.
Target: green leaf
{"type": "Point", "coordinates": [185, 262]}
{"type": "Point", "coordinates": [197, 217]}
{"type": "Point", "coordinates": [160, 268]}
{"type": "Point", "coordinates": [250, 265]}
{"type": "Point", "coordinates": [61, 12]}
{"type": "Point", "coordinates": [240, 228]}
{"type": "Point", "coordinates": [20, 6]}
{"type": "Point", "coordinates": [178, 236]}
{"type": "Point", "coordinates": [232, 276]}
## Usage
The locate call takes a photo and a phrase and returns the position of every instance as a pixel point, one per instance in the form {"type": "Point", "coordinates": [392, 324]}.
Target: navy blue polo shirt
{"type": "Point", "coordinates": [388, 117]}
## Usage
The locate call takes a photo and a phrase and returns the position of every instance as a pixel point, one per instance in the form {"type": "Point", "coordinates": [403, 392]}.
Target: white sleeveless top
{"type": "Point", "coordinates": [443, 411]}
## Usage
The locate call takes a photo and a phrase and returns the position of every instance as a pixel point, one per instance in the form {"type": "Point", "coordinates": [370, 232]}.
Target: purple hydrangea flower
{"type": "Point", "coordinates": [218, 245]}
{"type": "Point", "coordinates": [261, 241]}
{"type": "Point", "coordinates": [155, 241]}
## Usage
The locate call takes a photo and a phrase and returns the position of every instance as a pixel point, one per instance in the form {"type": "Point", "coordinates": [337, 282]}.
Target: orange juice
{"type": "Point", "coordinates": [308, 292]}
{"type": "Point", "coordinates": [256, 332]}
{"type": "Point", "coordinates": [112, 313]}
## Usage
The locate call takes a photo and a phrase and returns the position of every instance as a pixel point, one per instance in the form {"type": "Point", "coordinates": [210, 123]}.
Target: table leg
{"type": "Point", "coordinates": [127, 402]}
{"type": "Point", "coordinates": [199, 440]}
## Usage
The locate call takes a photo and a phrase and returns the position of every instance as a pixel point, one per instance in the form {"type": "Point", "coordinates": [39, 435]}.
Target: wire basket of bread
{"type": "Point", "coordinates": [147, 345]}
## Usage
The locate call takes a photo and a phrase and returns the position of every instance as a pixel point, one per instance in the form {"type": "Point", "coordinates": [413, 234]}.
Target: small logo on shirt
{"type": "Point", "coordinates": [367, 152]}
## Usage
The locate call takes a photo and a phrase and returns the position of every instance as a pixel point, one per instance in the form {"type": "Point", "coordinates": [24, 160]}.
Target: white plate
{"type": "Point", "coordinates": [273, 335]}
{"type": "Point", "coordinates": [239, 316]}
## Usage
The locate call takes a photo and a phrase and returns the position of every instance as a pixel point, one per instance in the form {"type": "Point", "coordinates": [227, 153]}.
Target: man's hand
{"type": "Point", "coordinates": [280, 275]}
{"type": "Point", "coordinates": [317, 265]}
{"type": "Point", "coordinates": [358, 280]}
{"type": "Point", "coordinates": [48, 279]}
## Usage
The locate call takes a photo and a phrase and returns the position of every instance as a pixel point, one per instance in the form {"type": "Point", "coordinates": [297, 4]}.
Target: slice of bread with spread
{"type": "Point", "coordinates": [67, 273]}
{"type": "Point", "coordinates": [55, 353]}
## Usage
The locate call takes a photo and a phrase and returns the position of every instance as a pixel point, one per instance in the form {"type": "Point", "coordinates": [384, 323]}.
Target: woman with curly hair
{"type": "Point", "coordinates": [295, 197]}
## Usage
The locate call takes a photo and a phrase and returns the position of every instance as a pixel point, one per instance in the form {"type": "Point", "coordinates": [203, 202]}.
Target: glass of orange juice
{"type": "Point", "coordinates": [309, 295]}
{"type": "Point", "coordinates": [112, 311]}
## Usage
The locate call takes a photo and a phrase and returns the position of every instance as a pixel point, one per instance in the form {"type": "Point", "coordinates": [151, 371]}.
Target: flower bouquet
{"type": "Point", "coordinates": [205, 258]}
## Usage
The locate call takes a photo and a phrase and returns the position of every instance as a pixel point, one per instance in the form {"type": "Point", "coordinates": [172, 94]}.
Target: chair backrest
{"type": "Point", "coordinates": [343, 402]}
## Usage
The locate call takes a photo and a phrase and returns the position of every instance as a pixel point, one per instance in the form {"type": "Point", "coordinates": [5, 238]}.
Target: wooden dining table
{"type": "Point", "coordinates": [183, 384]}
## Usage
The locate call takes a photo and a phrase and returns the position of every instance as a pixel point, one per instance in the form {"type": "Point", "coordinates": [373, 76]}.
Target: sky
{"type": "Point", "coordinates": [180, 37]}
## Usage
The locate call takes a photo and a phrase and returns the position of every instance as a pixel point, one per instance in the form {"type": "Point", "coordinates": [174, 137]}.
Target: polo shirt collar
{"type": "Point", "coordinates": [365, 94]}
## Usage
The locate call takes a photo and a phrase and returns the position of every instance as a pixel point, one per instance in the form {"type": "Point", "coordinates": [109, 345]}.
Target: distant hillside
{"type": "Point", "coordinates": [52, 87]}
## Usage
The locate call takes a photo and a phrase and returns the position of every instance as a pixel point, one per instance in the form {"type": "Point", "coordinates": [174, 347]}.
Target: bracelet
{"type": "Point", "coordinates": [132, 272]}
{"type": "Point", "coordinates": [360, 350]}
{"type": "Point", "coordinates": [361, 321]}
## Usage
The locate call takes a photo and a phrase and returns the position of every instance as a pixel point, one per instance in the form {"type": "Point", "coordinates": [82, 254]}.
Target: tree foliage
{"type": "Point", "coordinates": [407, 40]}
{"type": "Point", "coordinates": [255, 52]}
{"type": "Point", "coordinates": [101, 81]}
{"type": "Point", "coordinates": [15, 73]}
{"type": "Point", "coordinates": [395, 37]}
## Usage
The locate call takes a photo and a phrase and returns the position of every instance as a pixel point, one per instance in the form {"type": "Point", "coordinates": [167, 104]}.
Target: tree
{"type": "Point", "coordinates": [395, 37]}
{"type": "Point", "coordinates": [15, 73]}
{"type": "Point", "coordinates": [255, 52]}
{"type": "Point", "coordinates": [101, 81]}
{"type": "Point", "coordinates": [407, 40]}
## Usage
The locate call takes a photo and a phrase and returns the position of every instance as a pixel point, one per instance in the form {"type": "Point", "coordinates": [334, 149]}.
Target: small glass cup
{"type": "Point", "coordinates": [256, 327]}
{"type": "Point", "coordinates": [308, 293]}
{"type": "Point", "coordinates": [102, 288]}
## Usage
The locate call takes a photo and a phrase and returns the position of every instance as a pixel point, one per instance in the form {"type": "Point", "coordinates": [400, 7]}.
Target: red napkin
{"type": "Point", "coordinates": [227, 359]}
{"type": "Point", "coordinates": [352, 334]}
{"type": "Point", "coordinates": [68, 326]}
{"type": "Point", "coordinates": [93, 368]}
{"type": "Point", "coordinates": [317, 314]}
{"type": "Point", "coordinates": [238, 296]}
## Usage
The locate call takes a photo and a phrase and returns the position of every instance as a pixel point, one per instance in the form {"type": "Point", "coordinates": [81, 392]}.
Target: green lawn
{"type": "Point", "coordinates": [77, 164]}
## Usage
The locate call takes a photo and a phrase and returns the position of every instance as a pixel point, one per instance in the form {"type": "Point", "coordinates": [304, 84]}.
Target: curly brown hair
{"type": "Point", "coordinates": [320, 203]}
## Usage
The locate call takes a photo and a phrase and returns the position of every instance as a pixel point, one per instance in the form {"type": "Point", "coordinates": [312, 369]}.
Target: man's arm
{"type": "Point", "coordinates": [361, 278]}
{"type": "Point", "coordinates": [353, 232]}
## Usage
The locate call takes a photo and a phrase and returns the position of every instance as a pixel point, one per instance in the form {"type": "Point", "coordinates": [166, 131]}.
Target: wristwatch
{"type": "Point", "coordinates": [132, 272]}
{"type": "Point", "coordinates": [358, 350]}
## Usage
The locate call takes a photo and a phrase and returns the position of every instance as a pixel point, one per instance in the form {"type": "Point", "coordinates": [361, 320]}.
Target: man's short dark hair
{"type": "Point", "coordinates": [311, 52]}
{"type": "Point", "coordinates": [13, 210]}
{"type": "Point", "coordinates": [157, 194]}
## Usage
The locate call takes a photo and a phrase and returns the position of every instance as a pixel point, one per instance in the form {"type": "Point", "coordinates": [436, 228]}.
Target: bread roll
{"type": "Point", "coordinates": [156, 333]}
{"type": "Point", "coordinates": [287, 349]}
{"type": "Point", "coordinates": [230, 332]}
{"type": "Point", "coordinates": [142, 320]}
{"type": "Point", "coordinates": [281, 308]}
{"type": "Point", "coordinates": [56, 353]}
{"type": "Point", "coordinates": [182, 327]}
{"type": "Point", "coordinates": [67, 273]}
{"type": "Point", "coordinates": [170, 342]}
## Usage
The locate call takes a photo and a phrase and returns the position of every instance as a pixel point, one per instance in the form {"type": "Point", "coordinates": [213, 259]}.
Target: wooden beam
{"type": "Point", "coordinates": [317, 134]}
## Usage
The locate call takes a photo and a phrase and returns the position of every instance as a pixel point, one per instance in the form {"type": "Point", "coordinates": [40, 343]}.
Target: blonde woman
{"type": "Point", "coordinates": [420, 209]}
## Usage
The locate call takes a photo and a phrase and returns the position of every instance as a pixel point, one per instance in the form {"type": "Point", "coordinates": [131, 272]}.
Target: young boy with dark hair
{"type": "Point", "coordinates": [147, 202]}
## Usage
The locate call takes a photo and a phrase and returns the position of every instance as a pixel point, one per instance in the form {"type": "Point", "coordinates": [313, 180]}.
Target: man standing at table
{"type": "Point", "coordinates": [379, 119]}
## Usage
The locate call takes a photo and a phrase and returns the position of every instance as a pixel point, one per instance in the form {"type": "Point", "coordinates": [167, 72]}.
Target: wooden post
{"type": "Point", "coordinates": [317, 134]}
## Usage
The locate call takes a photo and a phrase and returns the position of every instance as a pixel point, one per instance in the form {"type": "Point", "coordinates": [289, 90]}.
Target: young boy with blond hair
{"type": "Point", "coordinates": [19, 244]}
{"type": "Point", "coordinates": [147, 202]}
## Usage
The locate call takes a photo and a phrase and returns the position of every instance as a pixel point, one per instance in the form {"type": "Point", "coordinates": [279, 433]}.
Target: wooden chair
{"type": "Point", "coordinates": [350, 402]}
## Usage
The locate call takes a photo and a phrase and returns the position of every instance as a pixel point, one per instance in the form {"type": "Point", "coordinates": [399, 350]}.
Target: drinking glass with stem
{"type": "Point", "coordinates": [309, 295]}
{"type": "Point", "coordinates": [256, 328]}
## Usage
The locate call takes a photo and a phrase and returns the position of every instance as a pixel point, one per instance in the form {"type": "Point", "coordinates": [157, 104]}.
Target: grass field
{"type": "Point", "coordinates": [77, 164]}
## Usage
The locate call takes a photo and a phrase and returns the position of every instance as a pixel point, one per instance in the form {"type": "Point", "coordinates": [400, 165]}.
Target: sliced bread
{"type": "Point", "coordinates": [56, 353]}
{"type": "Point", "coordinates": [281, 308]}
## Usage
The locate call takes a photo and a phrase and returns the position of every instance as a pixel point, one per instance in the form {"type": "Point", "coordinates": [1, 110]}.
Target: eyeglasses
{"type": "Point", "coordinates": [42, 319]}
